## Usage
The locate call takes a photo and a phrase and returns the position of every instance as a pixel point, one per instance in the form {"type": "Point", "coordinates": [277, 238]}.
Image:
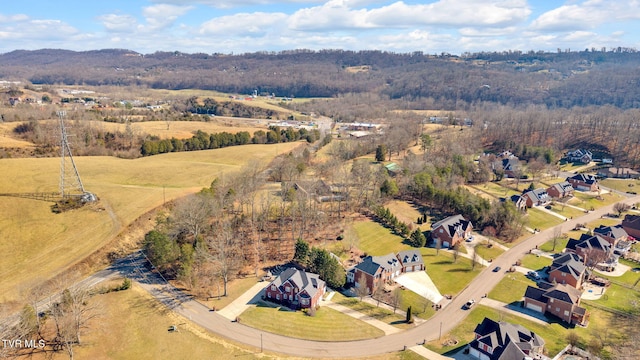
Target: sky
{"type": "Point", "coordinates": [243, 26]}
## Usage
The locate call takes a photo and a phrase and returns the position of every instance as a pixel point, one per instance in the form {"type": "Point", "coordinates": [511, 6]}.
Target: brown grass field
{"type": "Point", "coordinates": [184, 129]}
{"type": "Point", "coordinates": [37, 244]}
{"type": "Point", "coordinates": [8, 141]}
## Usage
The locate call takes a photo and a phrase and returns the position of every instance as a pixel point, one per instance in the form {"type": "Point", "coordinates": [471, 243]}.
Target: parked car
{"type": "Point", "coordinates": [469, 304]}
{"type": "Point", "coordinates": [534, 275]}
{"type": "Point", "coordinates": [496, 269]}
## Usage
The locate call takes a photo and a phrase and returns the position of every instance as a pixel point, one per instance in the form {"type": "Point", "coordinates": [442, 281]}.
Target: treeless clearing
{"type": "Point", "coordinates": [38, 244]}
{"type": "Point", "coordinates": [7, 140]}
{"type": "Point", "coordinates": [407, 213]}
{"type": "Point", "coordinates": [182, 129]}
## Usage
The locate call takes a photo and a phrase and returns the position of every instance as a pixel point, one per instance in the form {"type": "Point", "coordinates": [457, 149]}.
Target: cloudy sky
{"type": "Point", "coordinates": [239, 26]}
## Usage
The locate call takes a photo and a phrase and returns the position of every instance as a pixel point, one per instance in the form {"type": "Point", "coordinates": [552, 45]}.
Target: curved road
{"type": "Point", "coordinates": [442, 322]}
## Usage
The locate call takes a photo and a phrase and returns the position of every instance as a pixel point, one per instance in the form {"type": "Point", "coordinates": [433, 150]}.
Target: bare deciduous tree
{"type": "Point", "coordinates": [223, 250]}
{"type": "Point", "coordinates": [362, 290]}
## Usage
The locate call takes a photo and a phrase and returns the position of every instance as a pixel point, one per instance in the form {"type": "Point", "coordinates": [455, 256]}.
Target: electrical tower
{"type": "Point", "coordinates": [70, 182]}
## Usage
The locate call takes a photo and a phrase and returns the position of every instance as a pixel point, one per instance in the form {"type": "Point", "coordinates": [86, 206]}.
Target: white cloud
{"type": "Point", "coordinates": [162, 15]}
{"type": "Point", "coordinates": [244, 24]}
{"type": "Point", "coordinates": [587, 15]}
{"type": "Point", "coordinates": [118, 23]}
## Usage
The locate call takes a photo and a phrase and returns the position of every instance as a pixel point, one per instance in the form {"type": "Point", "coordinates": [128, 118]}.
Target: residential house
{"type": "Point", "coordinates": [559, 300]}
{"type": "Point", "coordinates": [613, 234]}
{"type": "Point", "coordinates": [631, 224]}
{"type": "Point", "coordinates": [595, 251]}
{"type": "Point", "coordinates": [584, 182]}
{"type": "Point", "coordinates": [296, 289]}
{"type": "Point", "coordinates": [537, 197]}
{"type": "Point", "coordinates": [451, 231]}
{"type": "Point", "coordinates": [568, 269]}
{"type": "Point", "coordinates": [411, 261]}
{"type": "Point", "coordinates": [580, 155]}
{"type": "Point", "coordinates": [377, 270]}
{"type": "Point", "coordinates": [393, 169]}
{"type": "Point", "coordinates": [504, 341]}
{"type": "Point", "coordinates": [519, 201]}
{"type": "Point", "coordinates": [509, 165]}
{"type": "Point", "coordinates": [619, 173]}
{"type": "Point", "coordinates": [560, 190]}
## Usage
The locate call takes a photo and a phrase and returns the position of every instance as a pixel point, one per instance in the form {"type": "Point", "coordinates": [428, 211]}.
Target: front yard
{"type": "Point", "coordinates": [449, 277]}
{"type": "Point", "coordinates": [538, 219]}
{"type": "Point", "coordinates": [587, 201]}
{"type": "Point", "coordinates": [326, 325]}
{"type": "Point", "coordinates": [378, 313]}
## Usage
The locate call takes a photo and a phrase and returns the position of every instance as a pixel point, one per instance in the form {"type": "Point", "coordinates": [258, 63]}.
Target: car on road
{"type": "Point", "coordinates": [469, 304]}
{"type": "Point", "coordinates": [496, 269]}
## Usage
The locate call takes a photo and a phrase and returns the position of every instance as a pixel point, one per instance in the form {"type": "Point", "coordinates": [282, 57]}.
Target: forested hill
{"type": "Point", "coordinates": [561, 79]}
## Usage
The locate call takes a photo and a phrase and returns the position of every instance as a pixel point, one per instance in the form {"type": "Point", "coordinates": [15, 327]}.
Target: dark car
{"type": "Point", "coordinates": [496, 269]}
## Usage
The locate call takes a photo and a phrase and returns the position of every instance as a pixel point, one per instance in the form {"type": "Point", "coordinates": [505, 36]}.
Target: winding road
{"type": "Point", "coordinates": [441, 323]}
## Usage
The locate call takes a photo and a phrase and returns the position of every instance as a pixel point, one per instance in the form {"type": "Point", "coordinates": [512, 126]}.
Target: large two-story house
{"type": "Point", "coordinates": [613, 234]}
{"type": "Point", "coordinates": [594, 250]}
{"type": "Point", "coordinates": [559, 300]}
{"type": "Point", "coordinates": [560, 190]}
{"type": "Point", "coordinates": [296, 289]}
{"type": "Point", "coordinates": [451, 231]}
{"type": "Point", "coordinates": [568, 269]}
{"type": "Point", "coordinates": [584, 182]}
{"type": "Point", "coordinates": [376, 270]}
{"type": "Point", "coordinates": [580, 155]}
{"type": "Point", "coordinates": [631, 224]}
{"type": "Point", "coordinates": [504, 341]}
{"type": "Point", "coordinates": [537, 197]}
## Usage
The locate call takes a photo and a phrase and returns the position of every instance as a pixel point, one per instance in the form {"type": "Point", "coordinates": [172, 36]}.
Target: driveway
{"type": "Point", "coordinates": [244, 301]}
{"type": "Point", "coordinates": [420, 283]}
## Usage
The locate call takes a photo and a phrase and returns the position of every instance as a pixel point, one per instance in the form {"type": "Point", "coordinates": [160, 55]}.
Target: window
{"type": "Point", "coordinates": [550, 300]}
{"type": "Point", "coordinates": [273, 287]}
{"type": "Point", "coordinates": [564, 274]}
{"type": "Point", "coordinates": [287, 288]}
{"type": "Point", "coordinates": [566, 313]}
{"type": "Point", "coordinates": [269, 295]}
{"type": "Point", "coordinates": [557, 309]}
{"type": "Point", "coordinates": [278, 296]}
{"type": "Point", "coordinates": [304, 302]}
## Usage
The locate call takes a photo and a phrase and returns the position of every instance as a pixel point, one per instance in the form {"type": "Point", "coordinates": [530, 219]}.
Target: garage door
{"type": "Point", "coordinates": [535, 307]}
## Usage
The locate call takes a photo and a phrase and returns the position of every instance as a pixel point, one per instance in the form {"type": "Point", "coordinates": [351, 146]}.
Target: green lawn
{"type": "Point", "coordinates": [235, 288]}
{"type": "Point", "coordinates": [375, 312]}
{"type": "Point", "coordinates": [327, 324]}
{"type": "Point", "coordinates": [449, 277]}
{"type": "Point", "coordinates": [566, 211]}
{"type": "Point", "coordinates": [488, 253]}
{"type": "Point", "coordinates": [511, 288]}
{"type": "Point", "coordinates": [534, 262]}
{"type": "Point", "coordinates": [619, 298]}
{"type": "Point", "coordinates": [560, 244]}
{"type": "Point", "coordinates": [606, 222]}
{"type": "Point", "coordinates": [621, 184]}
{"type": "Point", "coordinates": [496, 190]}
{"type": "Point", "coordinates": [628, 277]}
{"type": "Point", "coordinates": [375, 239]}
{"type": "Point", "coordinates": [537, 219]}
{"type": "Point", "coordinates": [420, 306]}
{"type": "Point", "coordinates": [589, 201]}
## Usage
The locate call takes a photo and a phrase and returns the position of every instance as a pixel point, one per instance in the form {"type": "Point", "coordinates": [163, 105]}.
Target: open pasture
{"type": "Point", "coordinates": [37, 244]}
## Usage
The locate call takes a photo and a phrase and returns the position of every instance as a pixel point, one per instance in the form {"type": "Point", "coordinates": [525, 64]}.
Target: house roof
{"type": "Point", "coordinates": [616, 232]}
{"type": "Point", "coordinates": [631, 221]}
{"type": "Point", "coordinates": [306, 282]}
{"type": "Point", "coordinates": [588, 242]}
{"type": "Point", "coordinates": [564, 293]}
{"type": "Point", "coordinates": [453, 224]}
{"type": "Point", "coordinates": [388, 262]}
{"type": "Point", "coordinates": [587, 179]}
{"type": "Point", "coordinates": [369, 266]}
{"type": "Point", "coordinates": [410, 257]}
{"type": "Point", "coordinates": [561, 187]}
{"type": "Point", "coordinates": [537, 195]}
{"type": "Point", "coordinates": [507, 340]}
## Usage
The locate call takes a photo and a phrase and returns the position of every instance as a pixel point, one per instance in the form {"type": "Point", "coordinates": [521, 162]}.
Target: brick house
{"type": "Point", "coordinates": [451, 231]}
{"type": "Point", "coordinates": [584, 182]}
{"type": "Point", "coordinates": [592, 248]}
{"type": "Point", "coordinates": [504, 341]}
{"type": "Point", "coordinates": [613, 234]}
{"type": "Point", "coordinates": [562, 301]}
{"type": "Point", "coordinates": [377, 270]}
{"type": "Point", "coordinates": [560, 190]}
{"type": "Point", "coordinates": [568, 269]}
{"type": "Point", "coordinates": [631, 224]}
{"type": "Point", "coordinates": [296, 289]}
{"type": "Point", "coordinates": [537, 197]}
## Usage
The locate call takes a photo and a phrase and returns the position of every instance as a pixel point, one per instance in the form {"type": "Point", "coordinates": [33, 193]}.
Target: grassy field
{"type": "Point", "coordinates": [566, 211]}
{"type": "Point", "coordinates": [420, 306]}
{"type": "Point", "coordinates": [7, 140]}
{"type": "Point", "coordinates": [375, 239]}
{"type": "Point", "coordinates": [535, 262]}
{"type": "Point", "coordinates": [183, 129]}
{"type": "Point", "coordinates": [538, 219]}
{"type": "Point", "coordinates": [327, 324]}
{"type": "Point", "coordinates": [488, 252]}
{"type": "Point", "coordinates": [619, 298]}
{"type": "Point", "coordinates": [449, 277]}
{"type": "Point", "coordinates": [496, 190]}
{"type": "Point", "coordinates": [38, 244]}
{"type": "Point", "coordinates": [407, 213]}
{"type": "Point", "coordinates": [621, 184]}
{"type": "Point", "coordinates": [511, 288]}
{"type": "Point", "coordinates": [586, 201]}
{"type": "Point", "coordinates": [375, 312]}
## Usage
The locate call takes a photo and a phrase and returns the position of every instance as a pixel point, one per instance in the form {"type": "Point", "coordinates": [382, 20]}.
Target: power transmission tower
{"type": "Point", "coordinates": [70, 182]}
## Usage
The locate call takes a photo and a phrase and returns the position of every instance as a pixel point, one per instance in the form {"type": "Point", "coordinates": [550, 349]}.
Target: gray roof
{"type": "Point", "coordinates": [306, 282]}
{"type": "Point", "coordinates": [588, 242]}
{"type": "Point", "coordinates": [562, 187]}
{"type": "Point", "coordinates": [368, 266]}
{"type": "Point", "coordinates": [452, 224]}
{"type": "Point", "coordinates": [616, 232]}
{"type": "Point", "coordinates": [631, 221]}
{"type": "Point", "coordinates": [389, 262]}
{"type": "Point", "coordinates": [537, 195]}
{"type": "Point", "coordinates": [587, 179]}
{"type": "Point", "coordinates": [410, 257]}
{"type": "Point", "coordinates": [507, 340]}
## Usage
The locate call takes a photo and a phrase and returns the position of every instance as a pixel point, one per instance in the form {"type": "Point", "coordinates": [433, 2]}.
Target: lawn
{"type": "Point", "coordinates": [560, 243]}
{"type": "Point", "coordinates": [378, 313]}
{"type": "Point", "coordinates": [606, 222]}
{"type": "Point", "coordinates": [449, 277]}
{"type": "Point", "coordinates": [586, 201]}
{"type": "Point", "coordinates": [133, 325]}
{"type": "Point", "coordinates": [235, 288]}
{"type": "Point", "coordinates": [328, 324]}
{"type": "Point", "coordinates": [488, 253]}
{"type": "Point", "coordinates": [375, 239]}
{"type": "Point", "coordinates": [566, 211]}
{"type": "Point", "coordinates": [420, 307]}
{"type": "Point", "coordinates": [496, 190]}
{"type": "Point", "coordinates": [538, 219]}
{"type": "Point", "coordinates": [619, 298]}
{"type": "Point", "coordinates": [39, 244]}
{"type": "Point", "coordinates": [407, 213]}
{"type": "Point", "coordinates": [621, 184]}
{"type": "Point", "coordinates": [511, 288]}
{"type": "Point", "coordinates": [535, 262]}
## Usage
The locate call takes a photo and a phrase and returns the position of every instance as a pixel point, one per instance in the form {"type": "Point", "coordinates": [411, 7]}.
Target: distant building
{"type": "Point", "coordinates": [584, 182]}
{"type": "Point", "coordinates": [580, 155]}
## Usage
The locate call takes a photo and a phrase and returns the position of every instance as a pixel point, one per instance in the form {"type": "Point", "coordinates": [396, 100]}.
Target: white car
{"type": "Point", "coordinates": [469, 304]}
